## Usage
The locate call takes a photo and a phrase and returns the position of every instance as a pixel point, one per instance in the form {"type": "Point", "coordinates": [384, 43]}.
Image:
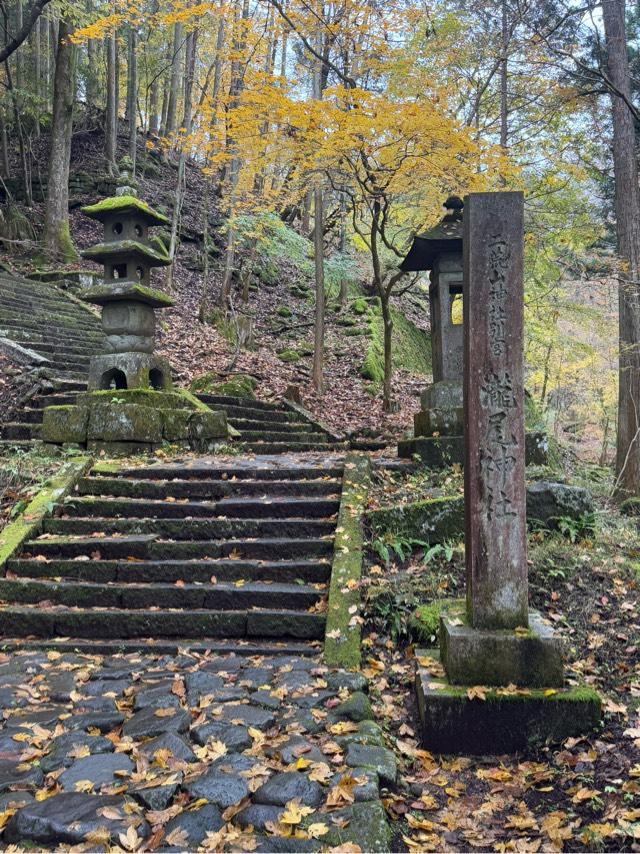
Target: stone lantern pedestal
{"type": "Point", "coordinates": [131, 405]}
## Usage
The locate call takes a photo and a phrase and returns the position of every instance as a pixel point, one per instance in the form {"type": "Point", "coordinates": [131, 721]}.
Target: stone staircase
{"type": "Point", "coordinates": [211, 553]}
{"type": "Point", "coordinates": [273, 428]}
{"type": "Point", "coordinates": [39, 317]}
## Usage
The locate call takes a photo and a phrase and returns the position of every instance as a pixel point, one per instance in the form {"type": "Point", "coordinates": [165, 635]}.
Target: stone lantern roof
{"type": "Point", "coordinates": [124, 206]}
{"type": "Point", "coordinates": [444, 237]}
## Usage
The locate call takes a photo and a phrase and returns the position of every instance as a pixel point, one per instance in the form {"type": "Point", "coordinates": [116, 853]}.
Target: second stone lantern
{"type": "Point", "coordinates": [128, 301]}
{"type": "Point", "coordinates": [439, 251]}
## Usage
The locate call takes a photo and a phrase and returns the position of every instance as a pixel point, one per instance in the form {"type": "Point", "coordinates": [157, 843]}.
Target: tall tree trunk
{"type": "Point", "coordinates": [111, 118]}
{"type": "Point", "coordinates": [6, 172]}
{"type": "Point", "coordinates": [317, 373]}
{"type": "Point", "coordinates": [233, 171]}
{"type": "Point", "coordinates": [504, 104]}
{"type": "Point", "coordinates": [190, 55]}
{"type": "Point", "coordinates": [132, 90]}
{"type": "Point", "coordinates": [92, 74]}
{"type": "Point", "coordinates": [174, 85]}
{"type": "Point", "coordinates": [57, 239]}
{"type": "Point", "coordinates": [627, 207]}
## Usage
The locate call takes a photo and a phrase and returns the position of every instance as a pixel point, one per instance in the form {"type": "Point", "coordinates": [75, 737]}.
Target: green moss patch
{"type": "Point", "coordinates": [238, 385]}
{"type": "Point", "coordinates": [432, 521]}
{"type": "Point", "coordinates": [289, 355]}
{"type": "Point", "coordinates": [411, 347]}
{"type": "Point", "coordinates": [343, 633]}
{"type": "Point", "coordinates": [123, 204]}
{"type": "Point", "coordinates": [29, 522]}
{"type": "Point", "coordinates": [424, 624]}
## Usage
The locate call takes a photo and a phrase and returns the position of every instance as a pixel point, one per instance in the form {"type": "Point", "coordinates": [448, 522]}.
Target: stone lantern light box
{"type": "Point", "coordinates": [128, 301]}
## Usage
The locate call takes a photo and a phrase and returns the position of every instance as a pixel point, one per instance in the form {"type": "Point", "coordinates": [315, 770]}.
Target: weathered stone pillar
{"type": "Point", "coordinates": [494, 466]}
{"type": "Point", "coordinates": [496, 642]}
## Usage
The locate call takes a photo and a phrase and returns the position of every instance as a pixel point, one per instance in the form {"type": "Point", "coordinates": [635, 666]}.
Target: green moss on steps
{"type": "Point", "coordinates": [359, 306]}
{"type": "Point", "coordinates": [284, 311]}
{"type": "Point", "coordinates": [342, 638]}
{"type": "Point", "coordinates": [29, 522]}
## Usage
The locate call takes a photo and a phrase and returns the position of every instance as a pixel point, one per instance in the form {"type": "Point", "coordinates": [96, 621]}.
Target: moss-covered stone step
{"type": "Point", "coordinates": [19, 431]}
{"type": "Point", "coordinates": [281, 507]}
{"type": "Point", "coordinates": [149, 546]}
{"type": "Point", "coordinates": [40, 302]}
{"type": "Point", "coordinates": [193, 529]}
{"type": "Point", "coordinates": [289, 428]}
{"type": "Point", "coordinates": [20, 621]}
{"type": "Point", "coordinates": [56, 350]}
{"type": "Point", "coordinates": [91, 338]}
{"type": "Point", "coordinates": [46, 321]}
{"type": "Point", "coordinates": [273, 437]}
{"type": "Point", "coordinates": [268, 416]}
{"type": "Point", "coordinates": [217, 597]}
{"type": "Point", "coordinates": [311, 571]}
{"type": "Point", "coordinates": [241, 469]}
{"type": "Point", "coordinates": [60, 399]}
{"type": "Point", "coordinates": [220, 400]}
{"type": "Point", "coordinates": [211, 489]}
{"type": "Point", "coordinates": [290, 447]}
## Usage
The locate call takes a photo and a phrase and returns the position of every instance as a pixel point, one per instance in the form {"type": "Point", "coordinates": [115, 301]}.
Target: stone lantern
{"type": "Point", "coordinates": [128, 301]}
{"type": "Point", "coordinates": [439, 250]}
{"type": "Point", "coordinates": [131, 405]}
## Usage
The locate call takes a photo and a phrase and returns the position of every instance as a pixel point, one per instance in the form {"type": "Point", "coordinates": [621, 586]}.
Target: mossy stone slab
{"type": "Point", "coordinates": [139, 396]}
{"type": "Point", "coordinates": [500, 720]}
{"type": "Point", "coordinates": [65, 424]}
{"type": "Point", "coordinates": [438, 452]}
{"type": "Point", "coordinates": [527, 657]}
{"type": "Point", "coordinates": [124, 422]}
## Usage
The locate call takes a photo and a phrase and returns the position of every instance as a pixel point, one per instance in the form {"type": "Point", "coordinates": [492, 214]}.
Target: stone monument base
{"type": "Point", "coordinates": [438, 452]}
{"type": "Point", "coordinates": [479, 720]}
{"type": "Point", "coordinates": [530, 657]}
{"type": "Point", "coordinates": [441, 410]}
{"type": "Point", "coordinates": [124, 422]}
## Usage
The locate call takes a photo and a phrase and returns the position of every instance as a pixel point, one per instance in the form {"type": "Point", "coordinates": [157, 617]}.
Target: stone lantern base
{"type": "Point", "coordinates": [129, 421]}
{"type": "Point", "coordinates": [129, 371]}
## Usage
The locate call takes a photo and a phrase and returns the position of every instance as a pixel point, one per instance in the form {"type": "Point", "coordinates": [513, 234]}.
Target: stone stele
{"type": "Point", "coordinates": [496, 642]}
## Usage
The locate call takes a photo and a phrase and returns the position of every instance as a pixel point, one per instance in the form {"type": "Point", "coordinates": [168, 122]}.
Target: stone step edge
{"type": "Point", "coordinates": [343, 632]}
{"type": "Point", "coordinates": [30, 521]}
{"type": "Point", "coordinates": [166, 646]}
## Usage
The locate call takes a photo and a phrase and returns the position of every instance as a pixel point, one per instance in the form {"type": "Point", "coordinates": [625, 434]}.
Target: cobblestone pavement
{"type": "Point", "coordinates": [187, 752]}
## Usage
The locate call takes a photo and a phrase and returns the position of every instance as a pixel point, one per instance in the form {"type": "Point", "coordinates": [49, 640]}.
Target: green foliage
{"type": "Point", "coordinates": [276, 246]}
{"type": "Point", "coordinates": [14, 225]}
{"type": "Point", "coordinates": [284, 311]}
{"type": "Point", "coordinates": [424, 624]}
{"type": "Point", "coordinates": [577, 529]}
{"type": "Point", "coordinates": [289, 355]}
{"type": "Point", "coordinates": [237, 385]}
{"type": "Point", "coordinates": [359, 306]}
{"type": "Point", "coordinates": [411, 348]}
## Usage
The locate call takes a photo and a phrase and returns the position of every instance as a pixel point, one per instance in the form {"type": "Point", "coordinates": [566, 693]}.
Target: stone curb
{"type": "Point", "coordinates": [342, 635]}
{"type": "Point", "coordinates": [29, 522]}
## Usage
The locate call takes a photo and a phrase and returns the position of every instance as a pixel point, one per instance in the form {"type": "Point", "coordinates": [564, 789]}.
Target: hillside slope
{"type": "Point", "coordinates": [280, 306]}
